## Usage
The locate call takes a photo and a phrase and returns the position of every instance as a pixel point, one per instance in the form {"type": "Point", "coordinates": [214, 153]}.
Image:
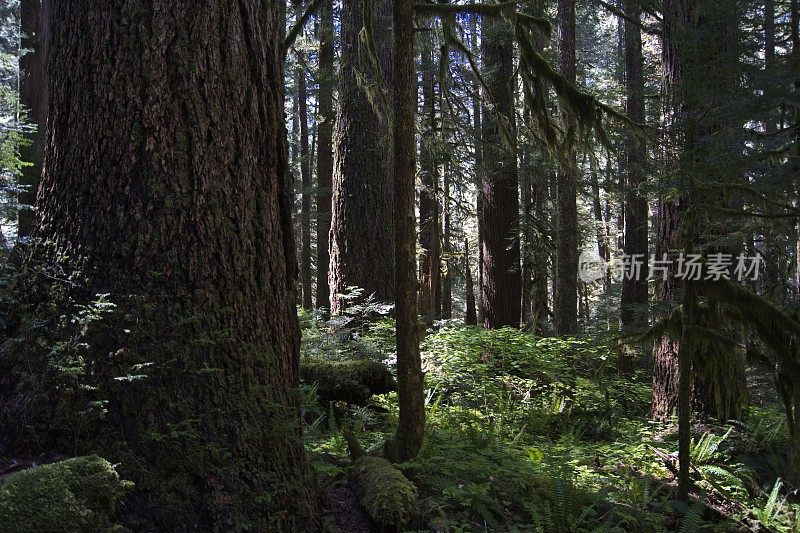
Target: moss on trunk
{"type": "Point", "coordinates": [348, 381]}
{"type": "Point", "coordinates": [387, 496]}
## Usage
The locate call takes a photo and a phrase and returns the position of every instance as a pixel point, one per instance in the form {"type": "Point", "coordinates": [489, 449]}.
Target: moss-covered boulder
{"type": "Point", "coordinates": [77, 494]}
{"type": "Point", "coordinates": [351, 381]}
{"type": "Point", "coordinates": [387, 496]}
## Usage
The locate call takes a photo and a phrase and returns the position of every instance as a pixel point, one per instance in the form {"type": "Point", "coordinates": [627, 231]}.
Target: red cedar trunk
{"type": "Point", "coordinates": [362, 219]}
{"type": "Point", "coordinates": [33, 88]}
{"type": "Point", "coordinates": [428, 202]}
{"type": "Point", "coordinates": [671, 214]}
{"type": "Point", "coordinates": [166, 186]}
{"type": "Point", "coordinates": [565, 298]}
{"type": "Point", "coordinates": [633, 305]}
{"type": "Point", "coordinates": [501, 280]}
{"type": "Point", "coordinates": [702, 76]}
{"type": "Point", "coordinates": [407, 440]}
{"type": "Point", "coordinates": [324, 150]}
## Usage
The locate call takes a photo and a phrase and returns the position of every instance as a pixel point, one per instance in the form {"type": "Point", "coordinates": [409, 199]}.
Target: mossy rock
{"type": "Point", "coordinates": [387, 496]}
{"type": "Point", "coordinates": [351, 381]}
{"type": "Point", "coordinates": [77, 494]}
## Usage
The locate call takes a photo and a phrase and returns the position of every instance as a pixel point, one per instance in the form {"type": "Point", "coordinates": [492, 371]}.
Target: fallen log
{"type": "Point", "coordinates": [350, 381]}
{"type": "Point", "coordinates": [388, 498]}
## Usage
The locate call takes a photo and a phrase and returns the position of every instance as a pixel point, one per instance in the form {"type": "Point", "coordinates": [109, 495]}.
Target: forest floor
{"type": "Point", "coordinates": [541, 434]}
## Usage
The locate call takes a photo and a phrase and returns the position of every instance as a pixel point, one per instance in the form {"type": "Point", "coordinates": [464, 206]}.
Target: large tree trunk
{"type": "Point", "coordinates": [633, 305]}
{"type": "Point", "coordinates": [166, 188]}
{"type": "Point", "coordinates": [362, 224]}
{"type": "Point", "coordinates": [428, 201]}
{"type": "Point", "coordinates": [305, 174]}
{"type": "Point", "coordinates": [407, 440]}
{"type": "Point", "coordinates": [701, 71]}
{"type": "Point", "coordinates": [565, 310]}
{"type": "Point", "coordinates": [324, 150]}
{"type": "Point", "coordinates": [33, 87]}
{"type": "Point", "coordinates": [501, 276]}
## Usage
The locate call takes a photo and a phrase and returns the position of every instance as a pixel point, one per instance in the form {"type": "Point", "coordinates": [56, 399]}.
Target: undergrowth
{"type": "Point", "coordinates": [541, 434]}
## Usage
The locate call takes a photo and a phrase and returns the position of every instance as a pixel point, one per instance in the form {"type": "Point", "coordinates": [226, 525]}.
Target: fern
{"type": "Point", "coordinates": [769, 513]}
{"type": "Point", "coordinates": [693, 519]}
{"type": "Point", "coordinates": [707, 447]}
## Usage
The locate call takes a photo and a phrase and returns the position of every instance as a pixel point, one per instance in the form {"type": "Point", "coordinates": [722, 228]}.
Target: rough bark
{"type": "Point", "coordinates": [407, 440]}
{"type": "Point", "coordinates": [166, 187]}
{"type": "Point", "coordinates": [362, 220]}
{"type": "Point", "coordinates": [35, 17]}
{"type": "Point", "coordinates": [324, 150]}
{"type": "Point", "coordinates": [633, 305]}
{"type": "Point", "coordinates": [565, 309]}
{"type": "Point", "coordinates": [501, 276]}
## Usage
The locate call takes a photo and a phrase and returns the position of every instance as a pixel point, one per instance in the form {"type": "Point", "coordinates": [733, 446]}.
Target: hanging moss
{"type": "Point", "coordinates": [387, 496]}
{"type": "Point", "coordinates": [78, 494]}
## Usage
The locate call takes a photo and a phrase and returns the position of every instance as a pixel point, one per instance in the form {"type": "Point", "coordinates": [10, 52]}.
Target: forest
{"type": "Point", "coordinates": [400, 266]}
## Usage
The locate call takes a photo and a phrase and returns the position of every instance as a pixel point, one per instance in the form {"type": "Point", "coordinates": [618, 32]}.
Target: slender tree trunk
{"type": "Point", "coordinates": [527, 229]}
{"type": "Point", "coordinates": [471, 318]}
{"type": "Point", "coordinates": [540, 304]}
{"type": "Point", "coordinates": [538, 219]}
{"type": "Point", "coordinates": [166, 188]}
{"type": "Point", "coordinates": [566, 268]}
{"type": "Point", "coordinates": [477, 133]}
{"type": "Point", "coordinates": [33, 90]}
{"type": "Point", "coordinates": [685, 357]}
{"type": "Point", "coordinates": [795, 63]}
{"type": "Point", "coordinates": [305, 174]}
{"type": "Point", "coordinates": [407, 441]}
{"type": "Point", "coordinates": [501, 277]}
{"type": "Point", "coordinates": [294, 160]}
{"type": "Point", "coordinates": [362, 219]}
{"type": "Point", "coordinates": [447, 275]}
{"type": "Point", "coordinates": [324, 150]}
{"type": "Point", "coordinates": [428, 201]}
{"type": "Point", "coordinates": [633, 305]}
{"type": "Point", "coordinates": [601, 222]}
